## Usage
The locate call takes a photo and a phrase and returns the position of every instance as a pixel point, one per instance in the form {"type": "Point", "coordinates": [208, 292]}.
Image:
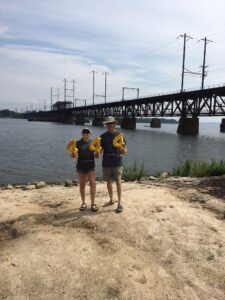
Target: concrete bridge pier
{"type": "Point", "coordinates": [155, 123]}
{"type": "Point", "coordinates": [97, 121]}
{"type": "Point", "coordinates": [67, 117]}
{"type": "Point", "coordinates": [188, 126]}
{"type": "Point", "coordinates": [128, 123]}
{"type": "Point", "coordinates": [79, 120]}
{"type": "Point", "coordinates": [222, 125]}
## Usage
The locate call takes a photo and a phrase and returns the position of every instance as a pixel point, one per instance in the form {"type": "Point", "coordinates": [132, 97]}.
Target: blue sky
{"type": "Point", "coordinates": [42, 42]}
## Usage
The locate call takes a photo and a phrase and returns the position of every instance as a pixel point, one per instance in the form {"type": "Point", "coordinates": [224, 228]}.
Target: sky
{"type": "Point", "coordinates": [43, 42]}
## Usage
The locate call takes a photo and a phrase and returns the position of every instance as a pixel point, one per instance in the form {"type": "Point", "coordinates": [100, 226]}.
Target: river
{"type": "Point", "coordinates": [31, 151]}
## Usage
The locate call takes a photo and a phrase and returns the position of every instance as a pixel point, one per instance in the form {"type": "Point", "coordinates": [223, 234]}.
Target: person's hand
{"type": "Point", "coordinates": [73, 156]}
{"type": "Point", "coordinates": [124, 150]}
{"type": "Point", "coordinates": [97, 155]}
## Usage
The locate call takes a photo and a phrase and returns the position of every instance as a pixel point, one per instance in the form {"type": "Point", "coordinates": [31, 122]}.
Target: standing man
{"type": "Point", "coordinates": [112, 161]}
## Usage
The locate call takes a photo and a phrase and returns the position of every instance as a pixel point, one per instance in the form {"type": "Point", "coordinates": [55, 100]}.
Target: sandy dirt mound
{"type": "Point", "coordinates": [169, 243]}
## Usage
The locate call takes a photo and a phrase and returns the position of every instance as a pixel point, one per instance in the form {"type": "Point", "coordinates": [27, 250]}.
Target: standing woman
{"type": "Point", "coordinates": [86, 168]}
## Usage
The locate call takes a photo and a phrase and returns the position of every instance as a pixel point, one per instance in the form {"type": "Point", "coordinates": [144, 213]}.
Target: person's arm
{"type": "Point", "coordinates": [97, 154]}
{"type": "Point", "coordinates": [124, 150]}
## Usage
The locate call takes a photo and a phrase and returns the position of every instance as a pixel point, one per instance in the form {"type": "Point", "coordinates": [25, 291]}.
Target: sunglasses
{"type": "Point", "coordinates": [85, 132]}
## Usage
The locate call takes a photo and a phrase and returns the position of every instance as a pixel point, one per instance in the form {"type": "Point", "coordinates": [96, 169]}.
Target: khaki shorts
{"type": "Point", "coordinates": [114, 174]}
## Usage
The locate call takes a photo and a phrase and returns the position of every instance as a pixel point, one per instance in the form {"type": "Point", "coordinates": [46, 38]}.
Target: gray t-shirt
{"type": "Point", "coordinates": [111, 155]}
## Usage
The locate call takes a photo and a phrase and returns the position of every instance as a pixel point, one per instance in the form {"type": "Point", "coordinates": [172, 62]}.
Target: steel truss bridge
{"type": "Point", "coordinates": [207, 102]}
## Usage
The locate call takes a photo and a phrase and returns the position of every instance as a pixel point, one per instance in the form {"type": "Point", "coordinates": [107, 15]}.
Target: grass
{"type": "Point", "coordinates": [200, 168]}
{"type": "Point", "coordinates": [134, 172]}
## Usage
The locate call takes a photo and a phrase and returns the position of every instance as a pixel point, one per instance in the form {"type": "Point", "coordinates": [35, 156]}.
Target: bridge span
{"type": "Point", "coordinates": [187, 105]}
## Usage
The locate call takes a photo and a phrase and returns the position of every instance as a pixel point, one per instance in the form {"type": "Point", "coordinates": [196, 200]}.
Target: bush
{"type": "Point", "coordinates": [200, 168]}
{"type": "Point", "coordinates": [134, 172]}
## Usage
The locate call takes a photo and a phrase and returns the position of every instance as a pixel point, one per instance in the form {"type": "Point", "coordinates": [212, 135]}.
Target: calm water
{"type": "Point", "coordinates": [32, 151]}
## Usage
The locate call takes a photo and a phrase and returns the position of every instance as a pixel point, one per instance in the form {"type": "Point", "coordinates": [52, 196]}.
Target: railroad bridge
{"type": "Point", "coordinates": [188, 105]}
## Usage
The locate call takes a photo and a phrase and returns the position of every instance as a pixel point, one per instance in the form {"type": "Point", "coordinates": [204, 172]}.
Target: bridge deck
{"type": "Point", "coordinates": [207, 102]}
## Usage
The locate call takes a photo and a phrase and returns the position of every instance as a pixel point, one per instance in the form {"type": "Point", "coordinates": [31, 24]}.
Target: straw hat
{"type": "Point", "coordinates": [109, 119]}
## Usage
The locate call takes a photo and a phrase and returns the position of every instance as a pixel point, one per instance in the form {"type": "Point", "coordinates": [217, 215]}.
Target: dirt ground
{"type": "Point", "coordinates": [169, 243]}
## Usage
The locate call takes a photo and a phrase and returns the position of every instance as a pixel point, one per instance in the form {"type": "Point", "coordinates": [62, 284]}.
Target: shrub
{"type": "Point", "coordinates": [134, 172]}
{"type": "Point", "coordinates": [200, 168]}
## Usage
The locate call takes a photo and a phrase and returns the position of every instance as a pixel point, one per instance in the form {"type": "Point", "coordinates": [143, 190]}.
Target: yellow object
{"type": "Point", "coordinates": [72, 148]}
{"type": "Point", "coordinates": [118, 142]}
{"type": "Point", "coordinates": [95, 145]}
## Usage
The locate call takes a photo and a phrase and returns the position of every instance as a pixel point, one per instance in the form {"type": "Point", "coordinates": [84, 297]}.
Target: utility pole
{"type": "Point", "coordinates": [206, 41]}
{"type": "Point", "coordinates": [186, 38]}
{"type": "Point", "coordinates": [51, 97]}
{"type": "Point", "coordinates": [93, 72]}
{"type": "Point", "coordinates": [106, 74]}
{"type": "Point", "coordinates": [74, 101]}
{"type": "Point", "coordinates": [64, 90]}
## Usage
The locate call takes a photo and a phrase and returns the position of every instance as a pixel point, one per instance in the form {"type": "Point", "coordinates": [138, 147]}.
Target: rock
{"type": "Point", "coordinates": [152, 178]}
{"type": "Point", "coordinates": [40, 184]}
{"type": "Point", "coordinates": [54, 205]}
{"type": "Point", "coordinates": [68, 183]}
{"type": "Point", "coordinates": [17, 186]}
{"type": "Point", "coordinates": [141, 279]}
{"type": "Point", "coordinates": [29, 187]}
{"type": "Point", "coordinates": [164, 175]}
{"type": "Point", "coordinates": [144, 178]}
{"type": "Point", "coordinates": [9, 187]}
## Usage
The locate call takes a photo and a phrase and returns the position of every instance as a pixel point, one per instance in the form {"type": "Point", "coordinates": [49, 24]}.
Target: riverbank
{"type": "Point", "coordinates": [169, 242]}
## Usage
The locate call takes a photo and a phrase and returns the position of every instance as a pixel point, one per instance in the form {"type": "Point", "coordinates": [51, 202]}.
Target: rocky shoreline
{"type": "Point", "coordinates": [164, 177]}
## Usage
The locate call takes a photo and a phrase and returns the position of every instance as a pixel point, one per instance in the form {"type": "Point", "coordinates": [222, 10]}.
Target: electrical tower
{"type": "Point", "coordinates": [128, 88]}
{"type": "Point", "coordinates": [93, 93]}
{"type": "Point", "coordinates": [186, 38]}
{"type": "Point", "coordinates": [66, 89]}
{"type": "Point", "coordinates": [206, 41]}
{"type": "Point", "coordinates": [106, 75]}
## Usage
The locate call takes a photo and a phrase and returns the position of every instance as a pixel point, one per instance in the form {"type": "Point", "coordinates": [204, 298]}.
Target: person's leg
{"type": "Point", "coordinates": [92, 182]}
{"type": "Point", "coordinates": [107, 175]}
{"type": "Point", "coordinates": [82, 181]}
{"type": "Point", "coordinates": [119, 191]}
{"type": "Point", "coordinates": [110, 190]}
{"type": "Point", "coordinates": [117, 177]}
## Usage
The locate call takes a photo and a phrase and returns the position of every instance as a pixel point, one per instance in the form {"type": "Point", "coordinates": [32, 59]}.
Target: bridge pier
{"type": "Point", "coordinates": [188, 126]}
{"type": "Point", "coordinates": [66, 116]}
{"type": "Point", "coordinates": [222, 125]}
{"type": "Point", "coordinates": [98, 121]}
{"type": "Point", "coordinates": [79, 120]}
{"type": "Point", "coordinates": [128, 123]}
{"type": "Point", "coordinates": [155, 123]}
